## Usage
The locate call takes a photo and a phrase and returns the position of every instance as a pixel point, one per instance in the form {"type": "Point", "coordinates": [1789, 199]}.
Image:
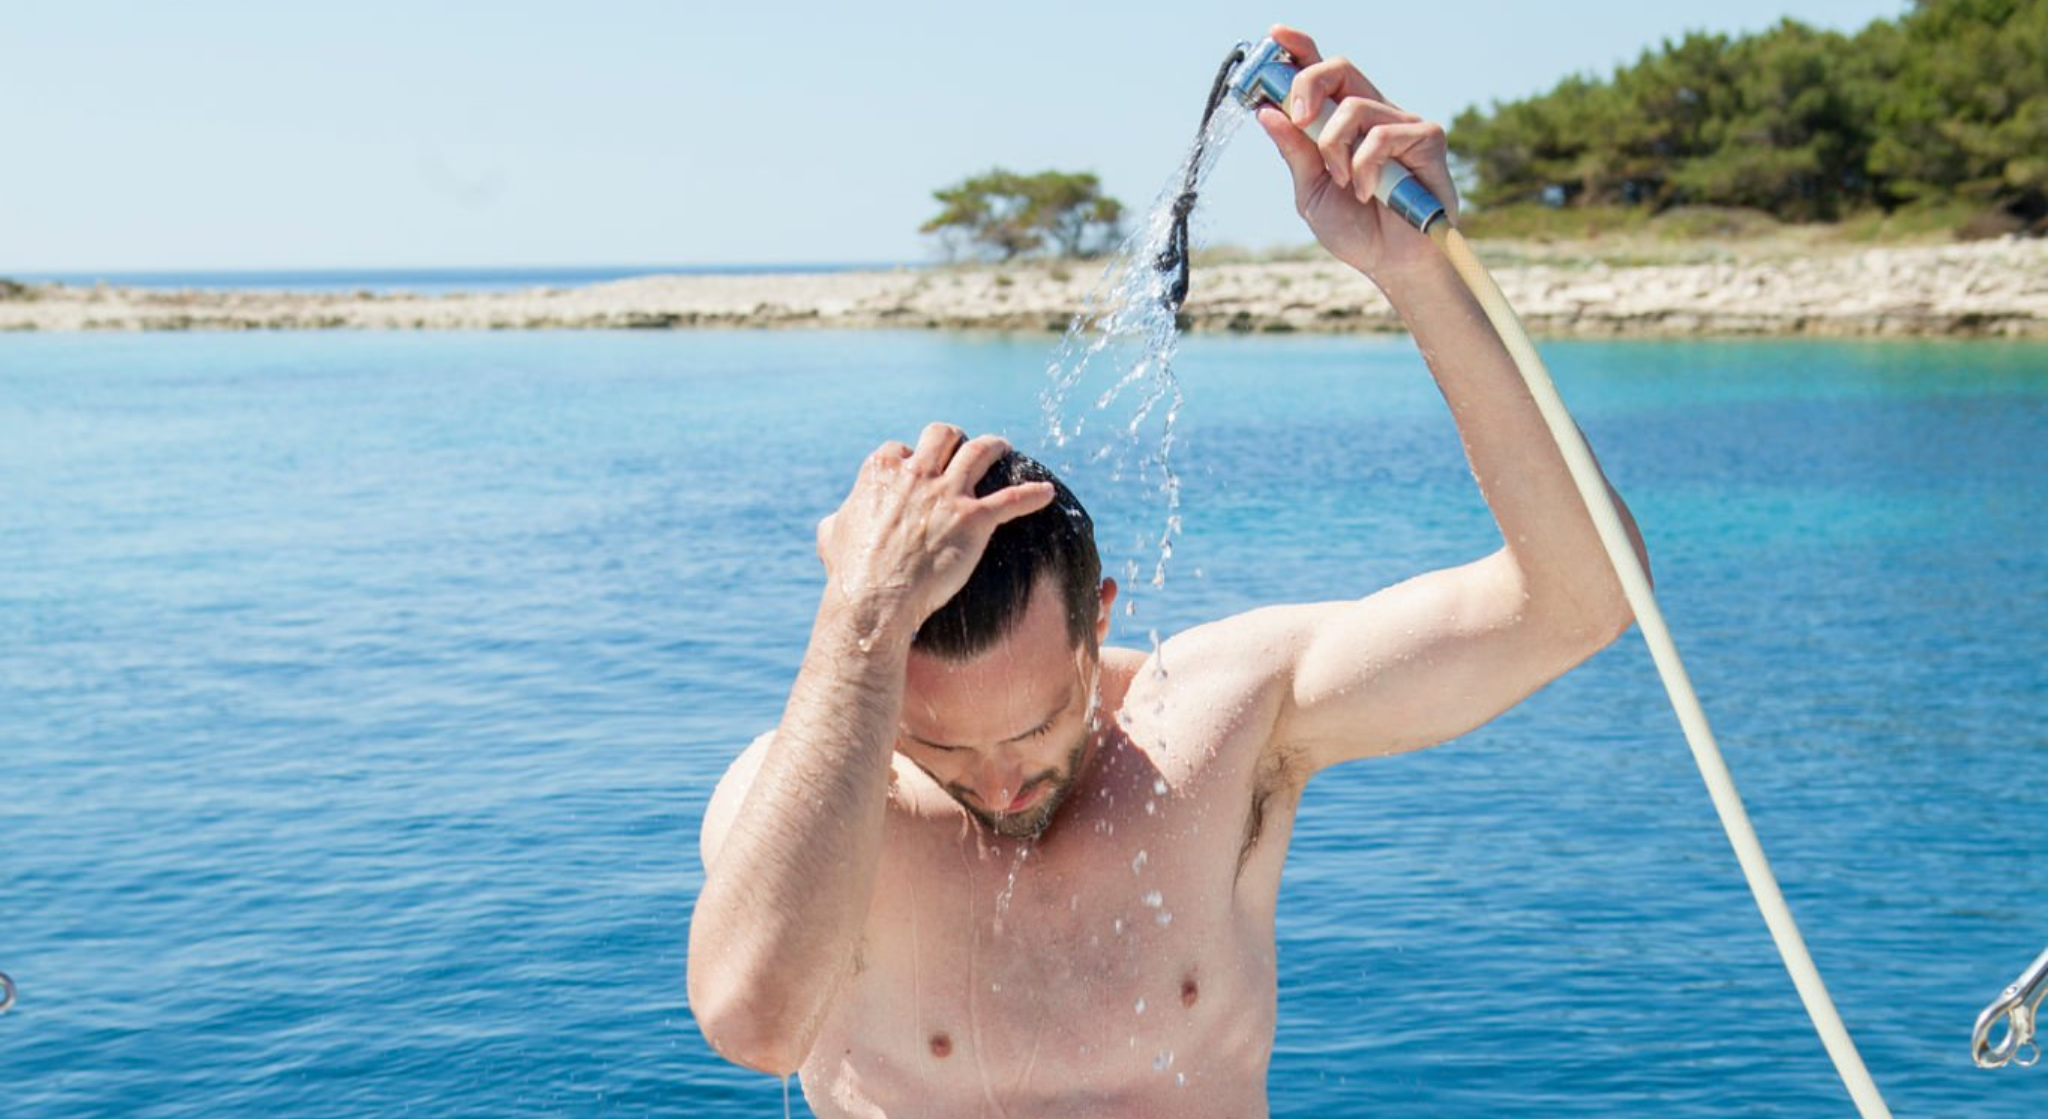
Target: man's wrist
{"type": "Point", "coordinates": [868, 622]}
{"type": "Point", "coordinates": [1426, 290]}
{"type": "Point", "coordinates": [1424, 274]}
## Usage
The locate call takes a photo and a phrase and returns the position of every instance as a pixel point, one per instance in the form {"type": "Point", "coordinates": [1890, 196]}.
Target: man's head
{"type": "Point", "coordinates": [1057, 542]}
{"type": "Point", "coordinates": [1000, 697]}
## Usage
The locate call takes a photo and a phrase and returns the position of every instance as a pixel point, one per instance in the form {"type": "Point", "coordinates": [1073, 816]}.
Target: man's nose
{"type": "Point", "coordinates": [1000, 781]}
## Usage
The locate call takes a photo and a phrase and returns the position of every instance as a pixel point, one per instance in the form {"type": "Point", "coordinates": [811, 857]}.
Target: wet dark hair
{"type": "Point", "coordinates": [1058, 540]}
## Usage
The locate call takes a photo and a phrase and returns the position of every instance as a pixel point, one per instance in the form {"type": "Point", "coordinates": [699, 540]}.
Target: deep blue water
{"type": "Point", "coordinates": [420, 281]}
{"type": "Point", "coordinates": [360, 695]}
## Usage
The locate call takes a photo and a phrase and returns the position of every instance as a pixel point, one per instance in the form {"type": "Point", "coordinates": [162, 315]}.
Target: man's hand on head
{"type": "Point", "coordinates": [911, 530]}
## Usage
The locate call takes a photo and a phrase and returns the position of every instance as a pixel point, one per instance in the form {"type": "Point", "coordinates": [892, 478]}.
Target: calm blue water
{"type": "Point", "coordinates": [362, 693]}
{"type": "Point", "coordinates": [419, 281]}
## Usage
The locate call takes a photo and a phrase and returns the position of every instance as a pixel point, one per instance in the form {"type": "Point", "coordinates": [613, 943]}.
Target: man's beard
{"type": "Point", "coordinates": [1033, 821]}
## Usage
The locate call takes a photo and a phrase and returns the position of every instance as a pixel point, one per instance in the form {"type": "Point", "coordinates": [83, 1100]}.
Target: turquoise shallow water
{"type": "Point", "coordinates": [360, 695]}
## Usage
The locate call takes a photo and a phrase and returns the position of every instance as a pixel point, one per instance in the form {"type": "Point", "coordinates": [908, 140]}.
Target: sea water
{"type": "Point", "coordinates": [360, 695]}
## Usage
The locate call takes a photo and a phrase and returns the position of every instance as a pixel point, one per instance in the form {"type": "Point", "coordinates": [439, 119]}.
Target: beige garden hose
{"type": "Point", "coordinates": [1635, 584]}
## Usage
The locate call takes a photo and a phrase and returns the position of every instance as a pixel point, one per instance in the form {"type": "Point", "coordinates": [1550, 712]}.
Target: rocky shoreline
{"type": "Point", "coordinates": [1982, 289]}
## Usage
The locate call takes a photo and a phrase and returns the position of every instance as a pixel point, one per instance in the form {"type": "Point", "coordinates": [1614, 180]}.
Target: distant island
{"type": "Point", "coordinates": [1784, 283]}
{"type": "Point", "coordinates": [1890, 182]}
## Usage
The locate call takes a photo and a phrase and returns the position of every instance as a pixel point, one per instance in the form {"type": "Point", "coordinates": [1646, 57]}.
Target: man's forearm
{"type": "Point", "coordinates": [1520, 471]}
{"type": "Point", "coordinates": [787, 894]}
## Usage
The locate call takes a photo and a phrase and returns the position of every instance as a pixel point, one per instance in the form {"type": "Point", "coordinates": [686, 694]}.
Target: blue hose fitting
{"type": "Point", "coordinates": [1410, 199]}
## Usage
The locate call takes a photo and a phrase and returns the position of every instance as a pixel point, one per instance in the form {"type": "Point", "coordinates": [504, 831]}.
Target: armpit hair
{"type": "Point", "coordinates": [1279, 772]}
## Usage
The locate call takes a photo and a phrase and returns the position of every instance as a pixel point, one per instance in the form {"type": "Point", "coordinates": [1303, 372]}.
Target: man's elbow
{"type": "Point", "coordinates": [1614, 622]}
{"type": "Point", "coordinates": [1603, 611]}
{"type": "Point", "coordinates": [1605, 616]}
{"type": "Point", "coordinates": [743, 1027]}
{"type": "Point", "coordinates": [1621, 613]}
{"type": "Point", "coordinates": [1581, 624]}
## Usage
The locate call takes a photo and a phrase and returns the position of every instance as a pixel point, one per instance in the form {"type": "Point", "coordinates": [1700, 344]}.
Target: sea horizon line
{"type": "Point", "coordinates": [434, 278]}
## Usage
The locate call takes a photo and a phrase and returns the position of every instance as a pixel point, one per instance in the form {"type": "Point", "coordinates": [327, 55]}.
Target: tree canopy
{"type": "Point", "coordinates": [1950, 99]}
{"type": "Point", "coordinates": [1005, 214]}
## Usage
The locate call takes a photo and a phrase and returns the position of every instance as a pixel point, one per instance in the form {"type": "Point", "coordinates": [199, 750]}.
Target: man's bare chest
{"type": "Point", "coordinates": [1088, 965]}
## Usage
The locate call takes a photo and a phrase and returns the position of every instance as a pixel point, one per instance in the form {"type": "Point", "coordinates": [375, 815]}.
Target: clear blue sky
{"type": "Point", "coordinates": [209, 134]}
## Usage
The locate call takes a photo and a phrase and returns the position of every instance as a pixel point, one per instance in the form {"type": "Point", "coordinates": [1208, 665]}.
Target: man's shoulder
{"type": "Point", "coordinates": [1260, 643]}
{"type": "Point", "coordinates": [1206, 703]}
{"type": "Point", "coordinates": [1231, 662]}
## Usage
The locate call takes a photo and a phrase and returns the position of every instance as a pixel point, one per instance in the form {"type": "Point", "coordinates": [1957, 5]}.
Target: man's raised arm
{"type": "Point", "coordinates": [1431, 658]}
{"type": "Point", "coordinates": [793, 836]}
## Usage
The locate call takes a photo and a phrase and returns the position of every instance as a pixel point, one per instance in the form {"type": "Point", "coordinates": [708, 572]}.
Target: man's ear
{"type": "Point", "coordinates": [1102, 612]}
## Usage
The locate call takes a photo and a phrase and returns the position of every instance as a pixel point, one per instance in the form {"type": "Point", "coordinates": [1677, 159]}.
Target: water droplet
{"type": "Point", "coordinates": [1159, 786]}
{"type": "Point", "coordinates": [1138, 863]}
{"type": "Point", "coordinates": [1163, 918]}
{"type": "Point", "coordinates": [1163, 1061]}
{"type": "Point", "coordinates": [1117, 926]}
{"type": "Point", "coordinates": [1153, 899]}
{"type": "Point", "coordinates": [1180, 1080]}
{"type": "Point", "coordinates": [867, 645]}
{"type": "Point", "coordinates": [1140, 1008]}
{"type": "Point", "coordinates": [996, 987]}
{"type": "Point", "coordinates": [1151, 807]}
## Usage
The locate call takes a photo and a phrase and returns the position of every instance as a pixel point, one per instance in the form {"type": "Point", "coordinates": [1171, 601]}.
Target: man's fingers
{"type": "Point", "coordinates": [1297, 44]}
{"type": "Point", "coordinates": [1303, 160]}
{"type": "Point", "coordinates": [1020, 500]}
{"type": "Point", "coordinates": [1417, 146]}
{"type": "Point", "coordinates": [888, 454]}
{"type": "Point", "coordinates": [1331, 80]}
{"type": "Point", "coordinates": [1355, 118]}
{"type": "Point", "coordinates": [935, 449]}
{"type": "Point", "coordinates": [974, 458]}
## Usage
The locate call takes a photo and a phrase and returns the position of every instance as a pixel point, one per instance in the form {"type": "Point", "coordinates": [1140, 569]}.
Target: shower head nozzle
{"type": "Point", "coordinates": [1264, 76]}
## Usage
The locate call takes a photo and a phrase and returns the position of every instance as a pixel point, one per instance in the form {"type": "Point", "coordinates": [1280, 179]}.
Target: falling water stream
{"type": "Point", "coordinates": [1113, 400]}
{"type": "Point", "coordinates": [1110, 408]}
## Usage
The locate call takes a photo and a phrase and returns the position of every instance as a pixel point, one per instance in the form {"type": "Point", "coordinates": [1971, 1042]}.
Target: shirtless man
{"type": "Point", "coordinates": [986, 865]}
